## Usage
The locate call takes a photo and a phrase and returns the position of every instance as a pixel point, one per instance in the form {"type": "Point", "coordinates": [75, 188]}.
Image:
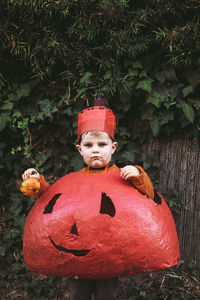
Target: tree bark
{"type": "Point", "coordinates": [180, 170]}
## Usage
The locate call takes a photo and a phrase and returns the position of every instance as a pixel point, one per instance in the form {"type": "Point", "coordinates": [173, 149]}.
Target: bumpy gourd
{"type": "Point", "coordinates": [30, 186]}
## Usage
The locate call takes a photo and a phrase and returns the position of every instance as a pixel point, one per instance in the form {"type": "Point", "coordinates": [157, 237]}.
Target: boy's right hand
{"type": "Point", "coordinates": [33, 187]}
{"type": "Point", "coordinates": [31, 173]}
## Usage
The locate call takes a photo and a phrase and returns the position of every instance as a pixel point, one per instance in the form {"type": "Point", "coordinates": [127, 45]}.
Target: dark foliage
{"type": "Point", "coordinates": [57, 56]}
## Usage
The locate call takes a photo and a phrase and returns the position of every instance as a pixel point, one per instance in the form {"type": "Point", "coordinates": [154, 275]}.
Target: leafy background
{"type": "Point", "coordinates": [55, 58]}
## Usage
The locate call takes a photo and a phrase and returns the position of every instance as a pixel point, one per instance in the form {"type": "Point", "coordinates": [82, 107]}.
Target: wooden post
{"type": "Point", "coordinates": [180, 170]}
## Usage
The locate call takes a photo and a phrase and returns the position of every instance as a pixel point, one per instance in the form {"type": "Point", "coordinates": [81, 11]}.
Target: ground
{"type": "Point", "coordinates": [169, 284]}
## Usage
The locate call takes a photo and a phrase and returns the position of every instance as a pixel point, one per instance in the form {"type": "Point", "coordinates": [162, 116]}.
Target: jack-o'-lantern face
{"type": "Point", "coordinates": [107, 208]}
{"type": "Point", "coordinates": [98, 226]}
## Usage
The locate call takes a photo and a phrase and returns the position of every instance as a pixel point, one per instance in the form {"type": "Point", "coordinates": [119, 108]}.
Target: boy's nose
{"type": "Point", "coordinates": [95, 149]}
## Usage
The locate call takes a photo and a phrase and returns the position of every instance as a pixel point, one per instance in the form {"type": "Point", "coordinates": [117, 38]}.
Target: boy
{"type": "Point", "coordinates": [96, 145]}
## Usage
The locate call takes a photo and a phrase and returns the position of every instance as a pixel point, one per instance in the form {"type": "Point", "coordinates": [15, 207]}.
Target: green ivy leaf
{"type": "Point", "coordinates": [145, 85]}
{"type": "Point", "coordinates": [187, 90]}
{"type": "Point", "coordinates": [173, 90]}
{"type": "Point", "coordinates": [188, 111]}
{"type": "Point", "coordinates": [108, 75]}
{"type": "Point", "coordinates": [23, 91]}
{"type": "Point", "coordinates": [166, 116]}
{"type": "Point", "coordinates": [160, 77]}
{"type": "Point", "coordinates": [155, 126]}
{"type": "Point", "coordinates": [11, 97]}
{"type": "Point", "coordinates": [40, 116]}
{"type": "Point", "coordinates": [7, 105]}
{"type": "Point", "coordinates": [45, 107]}
{"type": "Point", "coordinates": [169, 104]}
{"type": "Point", "coordinates": [137, 65]}
{"type": "Point", "coordinates": [170, 74]}
{"type": "Point", "coordinates": [68, 111]}
{"type": "Point", "coordinates": [4, 118]}
{"type": "Point", "coordinates": [86, 78]}
{"type": "Point", "coordinates": [132, 73]}
{"type": "Point", "coordinates": [156, 99]}
{"type": "Point", "coordinates": [16, 114]}
{"type": "Point", "coordinates": [143, 74]}
{"type": "Point", "coordinates": [80, 92]}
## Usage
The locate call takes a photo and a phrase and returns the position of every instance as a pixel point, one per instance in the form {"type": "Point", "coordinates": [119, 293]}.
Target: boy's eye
{"type": "Point", "coordinates": [102, 144]}
{"type": "Point", "coordinates": [88, 145]}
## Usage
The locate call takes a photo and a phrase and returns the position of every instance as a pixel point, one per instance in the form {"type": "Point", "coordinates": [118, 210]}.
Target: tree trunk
{"type": "Point", "coordinates": [180, 170]}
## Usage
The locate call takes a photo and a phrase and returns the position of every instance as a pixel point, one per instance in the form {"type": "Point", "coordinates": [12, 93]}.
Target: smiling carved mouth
{"type": "Point", "coordinates": [74, 252]}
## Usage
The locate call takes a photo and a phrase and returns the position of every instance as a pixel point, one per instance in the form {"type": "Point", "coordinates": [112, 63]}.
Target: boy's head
{"type": "Point", "coordinates": [96, 148]}
{"type": "Point", "coordinates": [96, 129]}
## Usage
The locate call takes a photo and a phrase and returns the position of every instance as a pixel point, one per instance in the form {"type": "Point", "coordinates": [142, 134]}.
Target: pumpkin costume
{"type": "Point", "coordinates": [98, 226]}
{"type": "Point", "coordinates": [93, 224]}
{"type": "Point", "coordinates": [102, 288]}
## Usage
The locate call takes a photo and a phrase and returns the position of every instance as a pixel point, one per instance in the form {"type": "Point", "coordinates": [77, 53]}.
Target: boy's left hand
{"type": "Point", "coordinates": [129, 172]}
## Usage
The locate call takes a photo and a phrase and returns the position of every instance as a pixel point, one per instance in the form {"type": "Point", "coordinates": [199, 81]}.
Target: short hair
{"type": "Point", "coordinates": [95, 133]}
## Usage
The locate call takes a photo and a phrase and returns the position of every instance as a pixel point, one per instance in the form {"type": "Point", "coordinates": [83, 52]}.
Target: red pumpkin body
{"type": "Point", "coordinates": [96, 227]}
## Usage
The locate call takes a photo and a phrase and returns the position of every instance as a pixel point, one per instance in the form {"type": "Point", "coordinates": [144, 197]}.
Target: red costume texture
{"type": "Point", "coordinates": [98, 226]}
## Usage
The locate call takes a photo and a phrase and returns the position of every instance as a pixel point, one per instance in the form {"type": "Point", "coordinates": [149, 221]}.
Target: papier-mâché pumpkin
{"type": "Point", "coordinates": [96, 227]}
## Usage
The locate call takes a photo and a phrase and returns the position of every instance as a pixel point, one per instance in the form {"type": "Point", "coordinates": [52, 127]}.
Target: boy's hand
{"type": "Point", "coordinates": [129, 172]}
{"type": "Point", "coordinates": [31, 173]}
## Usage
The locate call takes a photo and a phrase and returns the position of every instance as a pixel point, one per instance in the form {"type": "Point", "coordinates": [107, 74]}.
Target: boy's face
{"type": "Point", "coordinates": [96, 149]}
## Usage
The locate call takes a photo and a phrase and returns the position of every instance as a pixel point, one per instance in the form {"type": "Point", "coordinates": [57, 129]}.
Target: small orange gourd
{"type": "Point", "coordinates": [30, 186]}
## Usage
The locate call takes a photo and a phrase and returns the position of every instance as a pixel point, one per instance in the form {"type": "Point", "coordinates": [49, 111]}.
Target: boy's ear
{"type": "Point", "coordinates": [78, 147]}
{"type": "Point", "coordinates": [114, 147]}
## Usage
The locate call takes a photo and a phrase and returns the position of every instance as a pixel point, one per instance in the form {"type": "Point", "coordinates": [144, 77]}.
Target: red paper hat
{"type": "Point", "coordinates": [97, 118]}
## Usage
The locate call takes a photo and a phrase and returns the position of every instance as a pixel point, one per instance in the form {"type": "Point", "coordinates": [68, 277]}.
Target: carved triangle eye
{"type": "Point", "coordinates": [107, 206]}
{"type": "Point", "coordinates": [74, 229]}
{"type": "Point", "coordinates": [157, 199]}
{"type": "Point", "coordinates": [48, 209]}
